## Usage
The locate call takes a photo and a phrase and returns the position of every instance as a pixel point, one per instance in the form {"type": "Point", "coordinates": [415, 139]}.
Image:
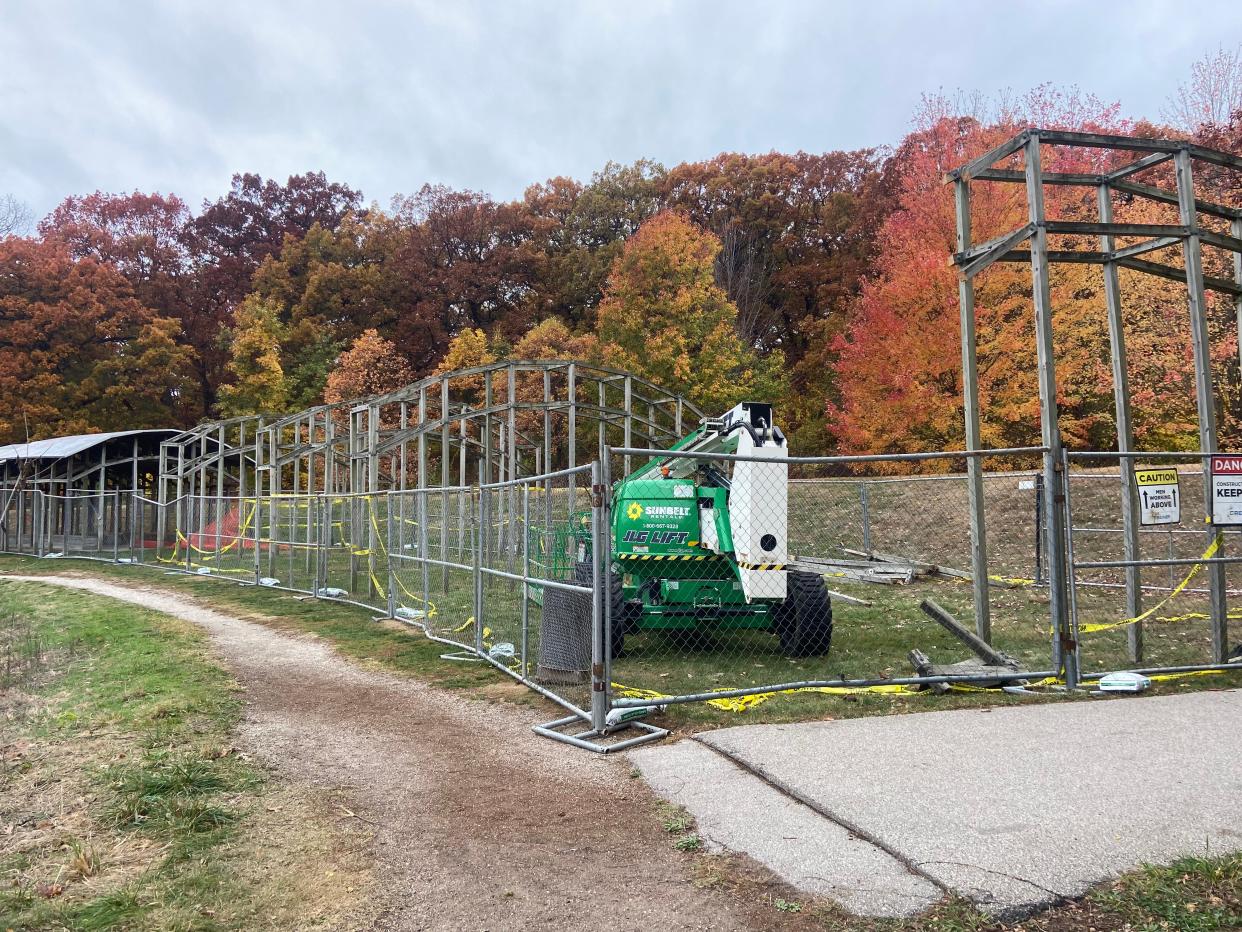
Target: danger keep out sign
{"type": "Point", "coordinates": [1159, 498]}
{"type": "Point", "coordinates": [1227, 489]}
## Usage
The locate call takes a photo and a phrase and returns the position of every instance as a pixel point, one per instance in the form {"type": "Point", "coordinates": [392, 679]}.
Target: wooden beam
{"type": "Point", "coordinates": [1160, 242]}
{"type": "Point", "coordinates": [1139, 165]}
{"type": "Point", "coordinates": [1054, 137]}
{"type": "Point", "coordinates": [1063, 178]}
{"type": "Point", "coordinates": [1084, 228]}
{"type": "Point", "coordinates": [975, 260]}
{"type": "Point", "coordinates": [988, 159]}
{"type": "Point", "coordinates": [1221, 241]}
{"type": "Point", "coordinates": [985, 651]}
{"type": "Point", "coordinates": [1168, 197]}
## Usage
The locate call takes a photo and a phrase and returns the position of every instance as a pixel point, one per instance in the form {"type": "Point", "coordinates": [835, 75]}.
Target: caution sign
{"type": "Point", "coordinates": [1160, 500]}
{"type": "Point", "coordinates": [1227, 489]}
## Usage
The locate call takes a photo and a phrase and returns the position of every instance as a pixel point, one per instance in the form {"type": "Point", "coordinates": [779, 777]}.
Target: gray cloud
{"type": "Point", "coordinates": [388, 95]}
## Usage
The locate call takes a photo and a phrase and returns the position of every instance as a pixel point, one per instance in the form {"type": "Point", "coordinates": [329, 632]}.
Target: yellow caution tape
{"type": "Point", "coordinates": [1178, 589]}
{"type": "Point", "coordinates": [745, 703]}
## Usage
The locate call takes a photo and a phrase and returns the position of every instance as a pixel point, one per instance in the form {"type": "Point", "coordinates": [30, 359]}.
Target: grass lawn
{"type": "Point", "coordinates": [168, 827]}
{"type": "Point", "coordinates": [123, 801]}
{"type": "Point", "coordinates": [868, 641]}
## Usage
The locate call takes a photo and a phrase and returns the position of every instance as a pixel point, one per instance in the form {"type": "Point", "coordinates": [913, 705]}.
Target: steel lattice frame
{"type": "Point", "coordinates": [1189, 233]}
{"type": "Point", "coordinates": [489, 423]}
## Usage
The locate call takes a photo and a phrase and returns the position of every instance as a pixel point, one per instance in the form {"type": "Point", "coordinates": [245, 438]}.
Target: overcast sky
{"type": "Point", "coordinates": [176, 96]}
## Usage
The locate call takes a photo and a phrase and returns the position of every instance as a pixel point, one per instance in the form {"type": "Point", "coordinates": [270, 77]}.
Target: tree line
{"type": "Point", "coordinates": [817, 280]}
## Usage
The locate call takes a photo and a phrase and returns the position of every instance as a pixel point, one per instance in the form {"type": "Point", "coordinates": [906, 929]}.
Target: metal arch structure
{"type": "Point", "coordinates": [1030, 243]}
{"type": "Point", "coordinates": [485, 424]}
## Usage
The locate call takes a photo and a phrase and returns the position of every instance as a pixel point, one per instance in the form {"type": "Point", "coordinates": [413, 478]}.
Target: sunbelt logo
{"type": "Point", "coordinates": [667, 511]}
{"type": "Point", "coordinates": [634, 512]}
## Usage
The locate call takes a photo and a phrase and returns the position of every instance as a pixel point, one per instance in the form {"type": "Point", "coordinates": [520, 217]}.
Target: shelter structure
{"type": "Point", "coordinates": [66, 493]}
{"type": "Point", "coordinates": [1159, 171]}
{"type": "Point", "coordinates": [85, 463]}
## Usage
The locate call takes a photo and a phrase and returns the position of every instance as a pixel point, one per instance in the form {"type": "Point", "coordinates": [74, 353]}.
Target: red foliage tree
{"type": "Point", "coordinates": [78, 352]}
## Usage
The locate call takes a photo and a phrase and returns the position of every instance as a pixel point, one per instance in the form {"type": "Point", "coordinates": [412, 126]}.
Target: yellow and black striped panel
{"type": "Point", "coordinates": [670, 558]}
{"type": "Point", "coordinates": [762, 566]}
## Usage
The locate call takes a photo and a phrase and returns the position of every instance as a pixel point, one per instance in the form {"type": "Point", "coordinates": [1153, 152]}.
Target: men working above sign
{"type": "Point", "coordinates": [1160, 501]}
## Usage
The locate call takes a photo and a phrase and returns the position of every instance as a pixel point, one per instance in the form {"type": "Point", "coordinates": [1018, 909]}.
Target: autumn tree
{"type": "Point", "coordinates": [664, 317]}
{"type": "Point", "coordinates": [372, 366]}
{"type": "Point", "coordinates": [78, 352]}
{"type": "Point", "coordinates": [798, 235]}
{"type": "Point", "coordinates": [142, 237]}
{"type": "Point", "coordinates": [469, 264]}
{"type": "Point", "coordinates": [233, 235]}
{"type": "Point", "coordinates": [1212, 95]}
{"type": "Point", "coordinates": [331, 286]}
{"type": "Point", "coordinates": [259, 384]}
{"type": "Point", "coordinates": [899, 361]}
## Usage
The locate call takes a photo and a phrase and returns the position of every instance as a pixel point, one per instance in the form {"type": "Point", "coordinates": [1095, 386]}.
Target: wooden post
{"type": "Point", "coordinates": [1205, 394]}
{"type": "Point", "coordinates": [974, 440]}
{"type": "Point", "coordinates": [1125, 431]}
{"type": "Point", "coordinates": [1065, 650]}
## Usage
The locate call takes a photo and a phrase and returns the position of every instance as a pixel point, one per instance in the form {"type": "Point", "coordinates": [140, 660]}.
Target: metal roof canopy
{"type": "Point", "coordinates": [57, 448]}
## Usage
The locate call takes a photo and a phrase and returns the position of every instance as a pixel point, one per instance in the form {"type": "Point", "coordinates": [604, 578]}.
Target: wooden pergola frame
{"type": "Point", "coordinates": [1029, 243]}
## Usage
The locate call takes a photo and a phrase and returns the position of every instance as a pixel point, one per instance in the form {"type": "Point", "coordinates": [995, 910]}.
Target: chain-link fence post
{"type": "Point", "coordinates": [864, 502]}
{"type": "Point", "coordinates": [188, 532]}
{"type": "Point", "coordinates": [480, 543]}
{"type": "Point", "coordinates": [606, 536]}
{"type": "Point", "coordinates": [390, 569]}
{"type": "Point", "coordinates": [599, 598]}
{"type": "Point", "coordinates": [525, 577]}
{"type": "Point", "coordinates": [1040, 510]}
{"type": "Point", "coordinates": [258, 524]}
{"type": "Point", "coordinates": [1065, 648]}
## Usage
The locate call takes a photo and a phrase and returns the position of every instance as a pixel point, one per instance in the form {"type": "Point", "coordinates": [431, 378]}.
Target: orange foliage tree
{"type": "Point", "coordinates": [78, 352]}
{"type": "Point", "coordinates": [899, 365]}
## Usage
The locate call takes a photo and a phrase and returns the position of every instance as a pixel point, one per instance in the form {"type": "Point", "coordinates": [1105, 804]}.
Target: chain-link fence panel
{"type": "Point", "coordinates": [23, 521]}
{"type": "Point", "coordinates": [537, 581]}
{"type": "Point", "coordinates": [1156, 612]}
{"type": "Point", "coordinates": [728, 576]}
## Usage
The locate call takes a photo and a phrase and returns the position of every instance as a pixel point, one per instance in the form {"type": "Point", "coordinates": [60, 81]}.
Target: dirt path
{"type": "Point", "coordinates": [479, 823]}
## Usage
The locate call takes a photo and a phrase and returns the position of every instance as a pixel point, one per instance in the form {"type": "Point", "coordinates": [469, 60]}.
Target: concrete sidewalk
{"type": "Point", "coordinates": [1012, 807]}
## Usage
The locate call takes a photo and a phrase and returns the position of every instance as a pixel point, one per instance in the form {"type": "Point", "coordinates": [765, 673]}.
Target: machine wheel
{"type": "Point", "coordinates": [803, 621]}
{"type": "Point", "coordinates": [622, 612]}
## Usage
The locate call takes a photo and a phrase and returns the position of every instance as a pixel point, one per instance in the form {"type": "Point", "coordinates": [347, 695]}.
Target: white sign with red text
{"type": "Point", "coordinates": [1227, 489]}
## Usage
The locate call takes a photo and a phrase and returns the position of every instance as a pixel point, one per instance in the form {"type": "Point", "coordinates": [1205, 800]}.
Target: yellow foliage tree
{"type": "Point", "coordinates": [259, 379]}
{"type": "Point", "coordinates": [664, 317]}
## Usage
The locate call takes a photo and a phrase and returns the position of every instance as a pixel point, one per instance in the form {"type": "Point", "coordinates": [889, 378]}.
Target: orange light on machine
{"type": "Point", "coordinates": [664, 471]}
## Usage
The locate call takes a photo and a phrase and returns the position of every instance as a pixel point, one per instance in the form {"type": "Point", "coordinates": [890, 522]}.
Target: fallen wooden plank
{"type": "Point", "coordinates": [933, 569]}
{"type": "Point", "coordinates": [858, 574]}
{"type": "Point", "coordinates": [974, 667]}
{"type": "Point", "coordinates": [982, 648]}
{"type": "Point", "coordinates": [853, 600]}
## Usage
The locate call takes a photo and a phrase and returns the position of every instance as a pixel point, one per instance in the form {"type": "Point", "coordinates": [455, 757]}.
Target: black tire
{"type": "Point", "coordinates": [803, 621]}
{"type": "Point", "coordinates": [622, 611]}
